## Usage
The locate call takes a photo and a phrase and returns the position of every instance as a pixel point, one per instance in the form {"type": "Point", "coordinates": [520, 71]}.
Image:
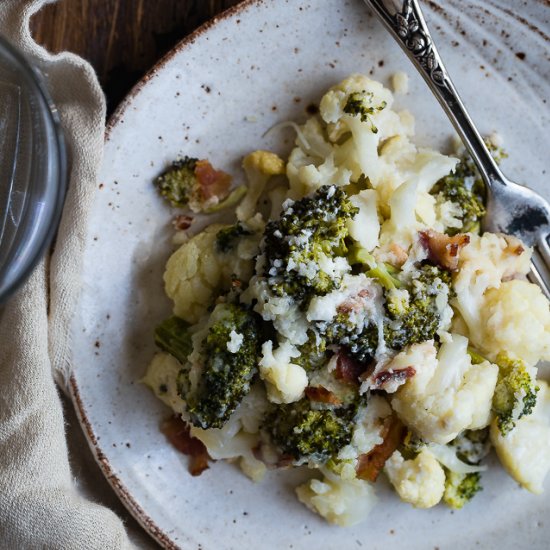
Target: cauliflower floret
{"type": "Point", "coordinates": [259, 166]}
{"type": "Point", "coordinates": [239, 435]}
{"type": "Point", "coordinates": [448, 214]}
{"type": "Point", "coordinates": [344, 502]}
{"type": "Point", "coordinates": [307, 178]}
{"type": "Point", "coordinates": [419, 481]}
{"type": "Point", "coordinates": [447, 394]}
{"type": "Point", "coordinates": [484, 264]}
{"type": "Point", "coordinates": [285, 381]}
{"type": "Point", "coordinates": [289, 321]}
{"type": "Point", "coordinates": [161, 377]}
{"type": "Point", "coordinates": [361, 294]}
{"type": "Point", "coordinates": [197, 272]}
{"type": "Point", "coordinates": [411, 205]}
{"type": "Point", "coordinates": [515, 317]}
{"type": "Point", "coordinates": [410, 356]}
{"type": "Point", "coordinates": [311, 163]}
{"type": "Point", "coordinates": [365, 227]}
{"type": "Point", "coordinates": [525, 451]}
{"type": "Point", "coordinates": [363, 146]}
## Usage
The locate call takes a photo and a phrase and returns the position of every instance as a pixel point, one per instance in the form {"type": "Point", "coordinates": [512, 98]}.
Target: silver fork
{"type": "Point", "coordinates": [511, 208]}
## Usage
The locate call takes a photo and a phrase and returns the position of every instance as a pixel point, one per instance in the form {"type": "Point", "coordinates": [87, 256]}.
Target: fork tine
{"type": "Point", "coordinates": [543, 248]}
{"type": "Point", "coordinates": [540, 272]}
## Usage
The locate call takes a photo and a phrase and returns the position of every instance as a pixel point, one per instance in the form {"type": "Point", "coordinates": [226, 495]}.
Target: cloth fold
{"type": "Point", "coordinates": [40, 506]}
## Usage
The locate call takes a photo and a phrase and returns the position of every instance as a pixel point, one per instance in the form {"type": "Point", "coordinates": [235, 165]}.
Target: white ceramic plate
{"type": "Point", "coordinates": [214, 97]}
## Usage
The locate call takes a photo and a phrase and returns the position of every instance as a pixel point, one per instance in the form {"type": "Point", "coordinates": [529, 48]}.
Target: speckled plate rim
{"type": "Point", "coordinates": [74, 393]}
{"type": "Point", "coordinates": [114, 481]}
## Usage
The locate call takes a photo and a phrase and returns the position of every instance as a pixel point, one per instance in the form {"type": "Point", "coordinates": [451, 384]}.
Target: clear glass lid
{"type": "Point", "coordinates": [33, 169]}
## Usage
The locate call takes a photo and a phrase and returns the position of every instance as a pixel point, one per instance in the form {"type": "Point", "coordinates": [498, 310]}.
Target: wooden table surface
{"type": "Point", "coordinates": [121, 38]}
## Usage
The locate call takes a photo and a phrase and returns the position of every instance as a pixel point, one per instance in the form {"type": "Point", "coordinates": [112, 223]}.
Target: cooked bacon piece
{"type": "Point", "coordinates": [349, 370]}
{"type": "Point", "coordinates": [213, 183]}
{"type": "Point", "coordinates": [400, 254]}
{"type": "Point", "coordinates": [399, 376]}
{"type": "Point", "coordinates": [515, 246]}
{"type": "Point", "coordinates": [182, 222]}
{"type": "Point", "coordinates": [370, 464]}
{"type": "Point", "coordinates": [322, 395]}
{"type": "Point", "coordinates": [442, 249]}
{"type": "Point", "coordinates": [354, 303]}
{"type": "Point", "coordinates": [177, 432]}
{"type": "Point", "coordinates": [517, 250]}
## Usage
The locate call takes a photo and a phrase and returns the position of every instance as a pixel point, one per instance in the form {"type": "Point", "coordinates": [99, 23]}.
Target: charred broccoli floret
{"type": "Point", "coordinates": [515, 393]}
{"type": "Point", "coordinates": [173, 336]}
{"type": "Point", "coordinates": [361, 104]}
{"type": "Point", "coordinates": [308, 236]}
{"type": "Point", "coordinates": [460, 488]}
{"type": "Point", "coordinates": [229, 351]}
{"type": "Point", "coordinates": [302, 432]}
{"type": "Point", "coordinates": [227, 237]}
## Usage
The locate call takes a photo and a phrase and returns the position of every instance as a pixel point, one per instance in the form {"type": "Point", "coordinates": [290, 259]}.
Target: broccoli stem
{"type": "Point", "coordinates": [382, 272]}
{"type": "Point", "coordinates": [477, 358]}
{"type": "Point", "coordinates": [233, 199]}
{"type": "Point", "coordinates": [172, 336]}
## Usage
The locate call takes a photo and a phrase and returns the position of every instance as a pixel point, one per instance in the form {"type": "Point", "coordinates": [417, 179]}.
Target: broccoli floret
{"type": "Point", "coordinates": [472, 446]}
{"type": "Point", "coordinates": [454, 188]}
{"type": "Point", "coordinates": [313, 354]}
{"type": "Point", "coordinates": [302, 432]}
{"type": "Point", "coordinates": [227, 237]}
{"type": "Point", "coordinates": [179, 182]}
{"type": "Point", "coordinates": [460, 488]}
{"type": "Point", "coordinates": [173, 336]}
{"type": "Point", "coordinates": [361, 104]}
{"type": "Point", "coordinates": [420, 321]}
{"type": "Point", "coordinates": [515, 393]}
{"type": "Point", "coordinates": [194, 183]}
{"type": "Point", "coordinates": [465, 188]}
{"type": "Point", "coordinates": [309, 233]}
{"type": "Point", "coordinates": [409, 319]}
{"type": "Point", "coordinates": [411, 446]}
{"type": "Point", "coordinates": [227, 370]}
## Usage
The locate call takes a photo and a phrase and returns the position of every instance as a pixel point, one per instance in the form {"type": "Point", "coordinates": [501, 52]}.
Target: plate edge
{"type": "Point", "coordinates": [118, 113]}
{"type": "Point", "coordinates": [119, 488]}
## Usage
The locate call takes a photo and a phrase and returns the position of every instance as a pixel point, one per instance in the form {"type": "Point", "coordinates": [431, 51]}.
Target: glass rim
{"type": "Point", "coordinates": [48, 227]}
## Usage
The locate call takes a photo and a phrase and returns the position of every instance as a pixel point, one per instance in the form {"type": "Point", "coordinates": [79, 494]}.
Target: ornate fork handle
{"type": "Point", "coordinates": [405, 22]}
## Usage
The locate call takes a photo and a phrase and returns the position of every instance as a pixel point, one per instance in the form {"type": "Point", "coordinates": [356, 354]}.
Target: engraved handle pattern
{"type": "Point", "coordinates": [408, 25]}
{"type": "Point", "coordinates": [404, 20]}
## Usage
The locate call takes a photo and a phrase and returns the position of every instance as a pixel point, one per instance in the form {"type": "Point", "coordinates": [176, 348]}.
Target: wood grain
{"type": "Point", "coordinates": [121, 38]}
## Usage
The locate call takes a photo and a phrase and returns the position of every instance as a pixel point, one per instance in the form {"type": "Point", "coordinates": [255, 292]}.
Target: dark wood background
{"type": "Point", "coordinates": [121, 38]}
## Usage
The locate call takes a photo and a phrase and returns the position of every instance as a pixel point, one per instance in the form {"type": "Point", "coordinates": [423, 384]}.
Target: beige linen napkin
{"type": "Point", "coordinates": [39, 504]}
